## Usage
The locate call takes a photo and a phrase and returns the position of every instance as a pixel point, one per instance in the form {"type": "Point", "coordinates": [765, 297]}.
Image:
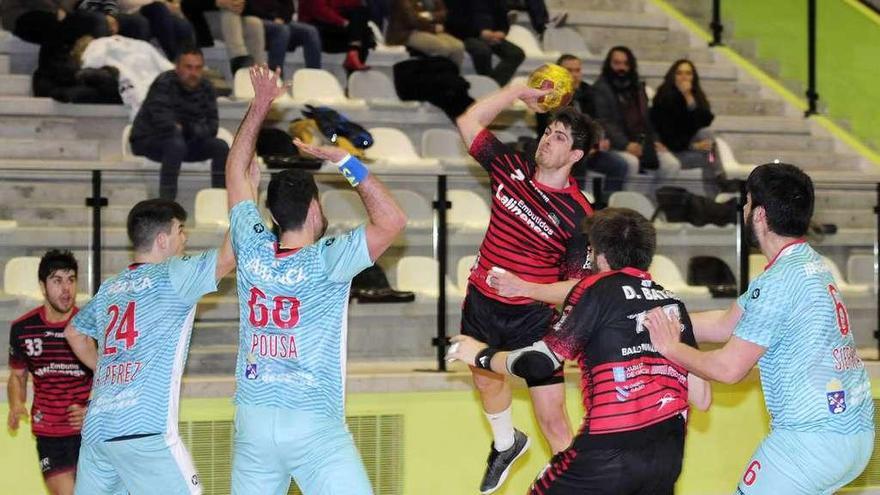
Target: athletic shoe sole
{"type": "Point", "coordinates": [504, 473]}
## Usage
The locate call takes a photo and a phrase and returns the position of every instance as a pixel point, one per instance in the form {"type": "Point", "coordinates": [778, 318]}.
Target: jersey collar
{"type": "Point", "coordinates": [635, 272]}
{"type": "Point", "coordinates": [784, 248]}
{"type": "Point", "coordinates": [281, 252]}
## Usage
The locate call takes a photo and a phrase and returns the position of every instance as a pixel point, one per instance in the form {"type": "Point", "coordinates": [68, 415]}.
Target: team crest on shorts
{"type": "Point", "coordinates": [836, 396]}
{"type": "Point", "coordinates": [250, 371]}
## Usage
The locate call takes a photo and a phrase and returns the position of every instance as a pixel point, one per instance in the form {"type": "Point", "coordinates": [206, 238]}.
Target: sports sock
{"type": "Point", "coordinates": [502, 428]}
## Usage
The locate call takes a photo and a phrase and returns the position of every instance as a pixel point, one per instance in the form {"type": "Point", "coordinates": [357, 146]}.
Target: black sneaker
{"type": "Point", "coordinates": [498, 463]}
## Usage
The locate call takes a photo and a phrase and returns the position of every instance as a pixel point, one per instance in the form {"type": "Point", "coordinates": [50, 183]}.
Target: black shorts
{"type": "Point", "coordinates": [506, 326]}
{"type": "Point", "coordinates": [650, 467]}
{"type": "Point", "coordinates": [58, 454]}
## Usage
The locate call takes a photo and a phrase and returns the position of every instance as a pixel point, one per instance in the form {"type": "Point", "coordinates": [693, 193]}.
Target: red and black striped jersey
{"type": "Point", "coordinates": [534, 230]}
{"type": "Point", "coordinates": [626, 384]}
{"type": "Point", "coordinates": [60, 379]}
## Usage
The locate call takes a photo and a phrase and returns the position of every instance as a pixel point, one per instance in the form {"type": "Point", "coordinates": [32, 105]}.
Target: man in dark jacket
{"type": "Point", "coordinates": [483, 26]}
{"type": "Point", "coordinates": [178, 122]}
{"type": "Point", "coordinates": [622, 109]}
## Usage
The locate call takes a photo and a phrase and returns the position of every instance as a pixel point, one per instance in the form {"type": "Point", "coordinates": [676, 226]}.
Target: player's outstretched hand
{"type": "Point", "coordinates": [665, 330]}
{"type": "Point", "coordinates": [265, 83]}
{"type": "Point", "coordinates": [464, 349]}
{"type": "Point", "coordinates": [530, 96]}
{"type": "Point", "coordinates": [331, 153]}
{"type": "Point", "coordinates": [507, 284]}
{"type": "Point", "coordinates": [15, 416]}
{"type": "Point", "coordinates": [76, 415]}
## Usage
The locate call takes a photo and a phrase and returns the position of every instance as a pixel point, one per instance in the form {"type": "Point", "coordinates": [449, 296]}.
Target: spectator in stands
{"type": "Point", "coordinates": [243, 35]}
{"type": "Point", "coordinates": [539, 17]}
{"type": "Point", "coordinates": [178, 122]}
{"type": "Point", "coordinates": [600, 160]}
{"type": "Point", "coordinates": [283, 34]}
{"type": "Point", "coordinates": [418, 24]}
{"type": "Point", "coordinates": [483, 26]}
{"type": "Point", "coordinates": [60, 76]}
{"type": "Point", "coordinates": [166, 20]}
{"type": "Point", "coordinates": [622, 109]}
{"type": "Point", "coordinates": [56, 21]}
{"type": "Point", "coordinates": [343, 28]}
{"type": "Point", "coordinates": [681, 116]}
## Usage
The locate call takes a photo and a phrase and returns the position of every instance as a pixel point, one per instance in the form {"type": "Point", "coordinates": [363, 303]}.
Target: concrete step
{"type": "Point", "coordinates": [807, 160]}
{"type": "Point", "coordinates": [699, 56]}
{"type": "Point", "coordinates": [5, 64]}
{"type": "Point", "coordinates": [37, 127]}
{"type": "Point", "coordinates": [840, 199]}
{"type": "Point", "coordinates": [793, 142]}
{"type": "Point", "coordinates": [733, 105]}
{"type": "Point", "coordinates": [632, 6]}
{"type": "Point", "coordinates": [49, 215]}
{"type": "Point", "coordinates": [68, 149]}
{"type": "Point", "coordinates": [15, 85]}
{"type": "Point", "coordinates": [618, 19]}
{"type": "Point", "coordinates": [760, 125]}
{"type": "Point", "coordinates": [73, 192]}
{"type": "Point", "coordinates": [601, 38]}
{"type": "Point", "coordinates": [854, 217]}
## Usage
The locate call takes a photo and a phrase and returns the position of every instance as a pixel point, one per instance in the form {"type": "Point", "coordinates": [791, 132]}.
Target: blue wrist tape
{"type": "Point", "coordinates": [353, 170]}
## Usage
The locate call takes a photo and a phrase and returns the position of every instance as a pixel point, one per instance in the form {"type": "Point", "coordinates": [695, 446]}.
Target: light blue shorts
{"type": "Point", "coordinates": [273, 445]}
{"type": "Point", "coordinates": [146, 465]}
{"type": "Point", "coordinates": [795, 463]}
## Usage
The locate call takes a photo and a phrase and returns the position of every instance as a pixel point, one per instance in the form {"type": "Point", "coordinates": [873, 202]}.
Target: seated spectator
{"type": "Point", "coordinates": [343, 28]}
{"type": "Point", "coordinates": [681, 116]}
{"type": "Point", "coordinates": [56, 21]}
{"type": "Point", "coordinates": [539, 17]}
{"type": "Point", "coordinates": [129, 25]}
{"type": "Point", "coordinates": [167, 23]}
{"type": "Point", "coordinates": [483, 26]}
{"type": "Point", "coordinates": [60, 76]}
{"type": "Point", "coordinates": [283, 34]}
{"type": "Point", "coordinates": [178, 122]}
{"type": "Point", "coordinates": [243, 35]}
{"type": "Point", "coordinates": [622, 109]}
{"type": "Point", "coordinates": [600, 160]}
{"type": "Point", "coordinates": [418, 24]}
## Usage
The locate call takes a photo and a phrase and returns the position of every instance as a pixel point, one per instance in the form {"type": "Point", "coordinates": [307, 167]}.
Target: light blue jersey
{"type": "Point", "coordinates": [142, 320]}
{"type": "Point", "coordinates": [293, 309]}
{"type": "Point", "coordinates": [812, 378]}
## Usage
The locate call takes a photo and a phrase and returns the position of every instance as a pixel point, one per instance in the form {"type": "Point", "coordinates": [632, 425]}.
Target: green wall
{"type": "Point", "coordinates": [847, 60]}
{"type": "Point", "coordinates": [446, 440]}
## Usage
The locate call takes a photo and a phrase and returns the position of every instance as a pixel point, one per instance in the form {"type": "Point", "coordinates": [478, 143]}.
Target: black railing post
{"type": "Point", "coordinates": [96, 202]}
{"type": "Point", "coordinates": [598, 192]}
{"type": "Point", "coordinates": [742, 239]}
{"type": "Point", "coordinates": [441, 341]}
{"type": "Point", "coordinates": [876, 265]}
{"type": "Point", "coordinates": [812, 95]}
{"type": "Point", "coordinates": [716, 25]}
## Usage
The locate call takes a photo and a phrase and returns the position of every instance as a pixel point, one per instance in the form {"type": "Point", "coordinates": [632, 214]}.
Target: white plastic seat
{"type": "Point", "coordinates": [757, 262]}
{"type": "Point", "coordinates": [20, 279]}
{"type": "Point", "coordinates": [525, 39]}
{"type": "Point", "coordinates": [392, 146]}
{"type": "Point", "coordinates": [566, 40]}
{"type": "Point", "coordinates": [211, 209]}
{"type": "Point", "coordinates": [377, 88]}
{"type": "Point", "coordinates": [860, 269]}
{"type": "Point", "coordinates": [667, 274]}
{"type": "Point", "coordinates": [480, 85]}
{"type": "Point", "coordinates": [445, 145]}
{"type": "Point", "coordinates": [469, 210]}
{"type": "Point", "coordinates": [419, 212]}
{"type": "Point", "coordinates": [463, 272]}
{"type": "Point", "coordinates": [634, 201]}
{"type": "Point", "coordinates": [343, 208]}
{"type": "Point", "coordinates": [732, 168]}
{"type": "Point", "coordinates": [418, 274]}
{"type": "Point", "coordinates": [841, 282]}
{"type": "Point", "coordinates": [321, 87]}
{"type": "Point", "coordinates": [8, 224]}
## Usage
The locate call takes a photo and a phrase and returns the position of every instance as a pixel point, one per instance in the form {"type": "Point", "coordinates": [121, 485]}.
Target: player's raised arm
{"type": "Point", "coordinates": [386, 218]}
{"type": "Point", "coordinates": [240, 159]}
{"type": "Point", "coordinates": [82, 345]}
{"type": "Point", "coordinates": [484, 110]}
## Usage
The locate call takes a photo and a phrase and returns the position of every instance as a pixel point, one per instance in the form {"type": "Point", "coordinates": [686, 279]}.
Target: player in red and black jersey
{"type": "Point", "coordinates": [534, 232]}
{"type": "Point", "coordinates": [636, 401]}
{"type": "Point", "coordinates": [61, 382]}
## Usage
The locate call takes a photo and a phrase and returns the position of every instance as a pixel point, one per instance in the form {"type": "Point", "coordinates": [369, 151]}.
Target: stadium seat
{"type": "Point", "coordinates": [8, 224]}
{"type": "Point", "coordinates": [525, 39]}
{"type": "Point", "coordinates": [664, 271]}
{"type": "Point", "coordinates": [343, 208]}
{"type": "Point", "coordinates": [634, 201]}
{"type": "Point", "coordinates": [469, 210]}
{"type": "Point", "coordinates": [320, 87]}
{"type": "Point", "coordinates": [418, 274]}
{"type": "Point", "coordinates": [377, 88]}
{"type": "Point", "coordinates": [463, 272]}
{"type": "Point", "coordinates": [445, 145]}
{"type": "Point", "coordinates": [732, 168]}
{"type": "Point", "coordinates": [211, 209]}
{"type": "Point", "coordinates": [757, 262]}
{"type": "Point", "coordinates": [480, 85]}
{"type": "Point", "coordinates": [20, 279]}
{"type": "Point", "coordinates": [418, 208]}
{"type": "Point", "coordinates": [841, 282]}
{"type": "Point", "coordinates": [392, 146]}
{"type": "Point", "coordinates": [566, 40]}
{"type": "Point", "coordinates": [860, 269]}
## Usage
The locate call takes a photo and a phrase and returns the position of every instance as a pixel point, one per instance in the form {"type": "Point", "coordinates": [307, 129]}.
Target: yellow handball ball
{"type": "Point", "coordinates": [557, 78]}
